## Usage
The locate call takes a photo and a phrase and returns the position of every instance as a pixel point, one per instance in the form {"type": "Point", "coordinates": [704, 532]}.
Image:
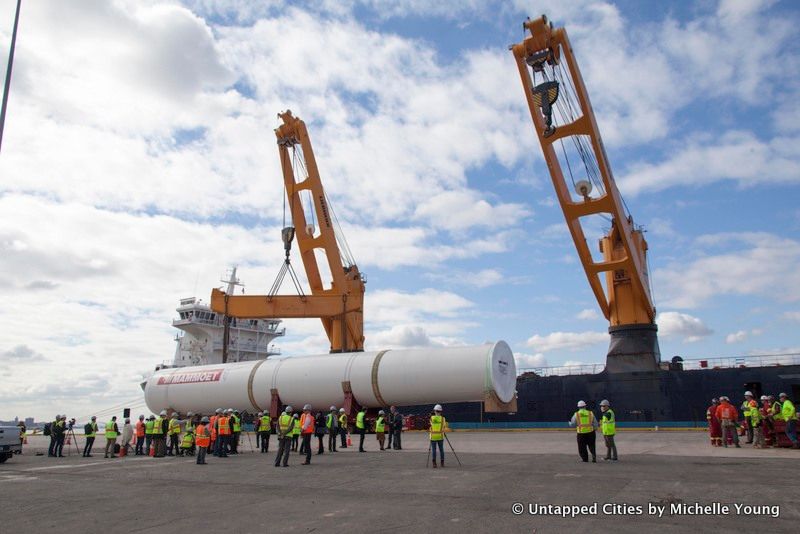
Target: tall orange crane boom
{"type": "Point", "coordinates": [563, 117]}
{"type": "Point", "coordinates": [340, 306]}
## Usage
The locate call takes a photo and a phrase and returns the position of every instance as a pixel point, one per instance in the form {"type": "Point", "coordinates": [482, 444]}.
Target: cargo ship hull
{"type": "Point", "coordinates": [673, 395]}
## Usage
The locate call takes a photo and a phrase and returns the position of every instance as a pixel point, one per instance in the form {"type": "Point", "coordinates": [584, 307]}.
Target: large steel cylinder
{"type": "Point", "coordinates": [377, 379]}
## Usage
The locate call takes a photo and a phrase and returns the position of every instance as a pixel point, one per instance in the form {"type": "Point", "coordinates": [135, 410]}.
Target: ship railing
{"type": "Point", "coordinates": [263, 328]}
{"type": "Point", "coordinates": [582, 369]}
{"type": "Point", "coordinates": [247, 347]}
{"type": "Point", "coordinates": [753, 360]}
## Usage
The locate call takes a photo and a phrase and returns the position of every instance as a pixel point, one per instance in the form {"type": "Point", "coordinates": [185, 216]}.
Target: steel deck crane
{"type": "Point", "coordinates": [340, 306]}
{"type": "Point", "coordinates": [564, 121]}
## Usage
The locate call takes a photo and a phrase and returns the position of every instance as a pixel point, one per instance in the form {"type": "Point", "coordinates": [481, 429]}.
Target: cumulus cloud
{"type": "Point", "coordinates": [683, 326]}
{"type": "Point", "coordinates": [528, 361]}
{"type": "Point", "coordinates": [740, 270]}
{"type": "Point", "coordinates": [20, 354]}
{"type": "Point", "coordinates": [736, 337]}
{"type": "Point", "coordinates": [588, 314]}
{"type": "Point", "coordinates": [572, 341]}
{"type": "Point", "coordinates": [792, 316]}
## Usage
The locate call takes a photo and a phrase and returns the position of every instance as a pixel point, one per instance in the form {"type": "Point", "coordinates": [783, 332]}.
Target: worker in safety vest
{"type": "Point", "coordinates": [90, 432]}
{"type": "Point", "coordinates": [714, 427]}
{"type": "Point", "coordinates": [160, 434]}
{"type": "Point", "coordinates": [112, 431]}
{"type": "Point", "coordinates": [380, 428]}
{"type": "Point", "coordinates": [264, 427]}
{"type": "Point", "coordinates": [759, 427]}
{"type": "Point", "coordinates": [585, 423]}
{"type": "Point", "coordinates": [296, 432]}
{"type": "Point", "coordinates": [789, 414]}
{"type": "Point", "coordinates": [727, 415]}
{"type": "Point", "coordinates": [748, 406]}
{"type": "Point", "coordinates": [361, 428]}
{"type": "Point", "coordinates": [332, 424]}
{"type": "Point", "coordinates": [202, 439]}
{"type": "Point", "coordinates": [223, 435]}
{"type": "Point", "coordinates": [149, 426]}
{"type": "Point", "coordinates": [343, 427]}
{"type": "Point", "coordinates": [608, 426]}
{"type": "Point", "coordinates": [236, 429]}
{"type": "Point", "coordinates": [187, 444]}
{"type": "Point", "coordinates": [285, 429]}
{"type": "Point", "coordinates": [139, 431]}
{"type": "Point", "coordinates": [767, 421]}
{"type": "Point", "coordinates": [438, 427]}
{"type": "Point", "coordinates": [212, 423]}
{"type": "Point", "coordinates": [306, 430]}
{"type": "Point", "coordinates": [174, 432]}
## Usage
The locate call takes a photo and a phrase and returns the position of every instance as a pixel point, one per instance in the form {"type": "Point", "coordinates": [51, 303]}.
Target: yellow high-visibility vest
{"type": "Point", "coordinates": [584, 418]}
{"type": "Point", "coordinates": [438, 423]}
{"type": "Point", "coordinates": [110, 432]}
{"type": "Point", "coordinates": [608, 423]}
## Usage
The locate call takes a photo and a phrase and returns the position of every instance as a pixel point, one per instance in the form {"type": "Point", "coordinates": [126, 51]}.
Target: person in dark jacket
{"type": "Point", "coordinates": [397, 427]}
{"type": "Point", "coordinates": [319, 431]}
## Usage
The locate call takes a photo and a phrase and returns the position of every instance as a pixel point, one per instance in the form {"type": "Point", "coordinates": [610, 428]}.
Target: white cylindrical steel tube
{"type": "Point", "coordinates": [377, 379]}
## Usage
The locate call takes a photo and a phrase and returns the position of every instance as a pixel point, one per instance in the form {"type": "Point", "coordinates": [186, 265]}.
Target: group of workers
{"type": "Point", "coordinates": [586, 424]}
{"type": "Point", "coordinates": [220, 433]}
{"type": "Point", "coordinates": [759, 421]}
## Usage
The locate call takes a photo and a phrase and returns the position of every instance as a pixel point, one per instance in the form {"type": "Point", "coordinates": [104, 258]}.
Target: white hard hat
{"type": "Point", "coordinates": [604, 402]}
{"type": "Point", "coordinates": [581, 404]}
{"type": "Point", "coordinates": [782, 395]}
{"type": "Point", "coordinates": [307, 407]}
{"type": "Point", "coordinates": [341, 410]}
{"type": "Point", "coordinates": [288, 409]}
{"type": "Point", "coordinates": [294, 416]}
{"type": "Point", "coordinates": [381, 412]}
{"type": "Point", "coordinates": [163, 412]}
{"type": "Point", "coordinates": [189, 414]}
{"type": "Point", "coordinates": [333, 408]}
{"type": "Point", "coordinates": [437, 408]}
{"type": "Point", "coordinates": [748, 393]}
{"type": "Point", "coordinates": [218, 410]}
{"type": "Point", "coordinates": [260, 413]}
{"type": "Point", "coordinates": [174, 415]}
{"type": "Point", "coordinates": [763, 397]}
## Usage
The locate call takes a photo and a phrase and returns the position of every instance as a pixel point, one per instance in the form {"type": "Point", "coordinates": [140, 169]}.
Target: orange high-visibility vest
{"type": "Point", "coordinates": [201, 436]}
{"type": "Point", "coordinates": [303, 419]}
{"type": "Point", "coordinates": [139, 429]}
{"type": "Point", "coordinates": [212, 422]}
{"type": "Point", "coordinates": [224, 426]}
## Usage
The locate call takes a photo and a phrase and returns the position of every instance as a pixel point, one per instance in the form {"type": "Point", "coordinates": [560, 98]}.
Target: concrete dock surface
{"type": "Point", "coordinates": [673, 481]}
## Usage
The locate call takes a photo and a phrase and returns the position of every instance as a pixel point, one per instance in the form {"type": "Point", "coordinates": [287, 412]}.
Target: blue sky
{"type": "Point", "coordinates": [139, 163]}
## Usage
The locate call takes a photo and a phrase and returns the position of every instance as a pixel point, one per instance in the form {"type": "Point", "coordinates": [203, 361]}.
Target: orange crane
{"type": "Point", "coordinates": [341, 305]}
{"type": "Point", "coordinates": [565, 123]}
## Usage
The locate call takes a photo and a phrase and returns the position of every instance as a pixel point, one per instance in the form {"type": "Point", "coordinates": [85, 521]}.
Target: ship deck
{"type": "Point", "coordinates": [393, 491]}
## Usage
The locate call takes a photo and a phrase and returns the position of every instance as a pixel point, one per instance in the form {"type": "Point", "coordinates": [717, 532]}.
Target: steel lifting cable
{"type": "Point", "coordinates": [566, 108]}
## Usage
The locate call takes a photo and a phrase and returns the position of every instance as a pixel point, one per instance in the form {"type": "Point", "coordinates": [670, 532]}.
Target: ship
{"type": "Point", "coordinates": [676, 394]}
{"type": "Point", "coordinates": [201, 340]}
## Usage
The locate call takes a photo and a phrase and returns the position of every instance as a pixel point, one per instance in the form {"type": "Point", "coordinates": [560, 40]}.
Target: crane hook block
{"type": "Point", "coordinates": [287, 234]}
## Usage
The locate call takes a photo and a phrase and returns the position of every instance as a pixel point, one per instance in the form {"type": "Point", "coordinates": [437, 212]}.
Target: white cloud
{"type": "Point", "coordinates": [792, 316]}
{"type": "Point", "coordinates": [528, 361]}
{"type": "Point", "coordinates": [736, 337]}
{"type": "Point", "coordinates": [682, 325]}
{"type": "Point", "coordinates": [737, 156]}
{"type": "Point", "coordinates": [743, 271]}
{"type": "Point", "coordinates": [588, 314]}
{"type": "Point", "coordinates": [572, 341]}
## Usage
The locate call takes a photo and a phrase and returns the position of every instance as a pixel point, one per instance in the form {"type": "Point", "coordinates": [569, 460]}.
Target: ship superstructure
{"type": "Point", "coordinates": [200, 341]}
